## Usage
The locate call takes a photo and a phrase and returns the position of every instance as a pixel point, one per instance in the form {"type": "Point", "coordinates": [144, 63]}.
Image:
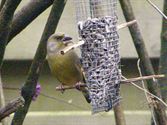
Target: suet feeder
{"type": "Point", "coordinates": [97, 26]}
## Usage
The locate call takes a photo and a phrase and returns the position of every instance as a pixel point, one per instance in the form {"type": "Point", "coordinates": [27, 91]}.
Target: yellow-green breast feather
{"type": "Point", "coordinates": [64, 67]}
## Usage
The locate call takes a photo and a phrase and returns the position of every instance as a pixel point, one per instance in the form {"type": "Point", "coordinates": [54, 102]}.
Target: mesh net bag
{"type": "Point", "coordinates": [97, 26]}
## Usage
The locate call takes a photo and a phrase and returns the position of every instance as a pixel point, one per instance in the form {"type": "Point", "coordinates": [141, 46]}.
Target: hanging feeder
{"type": "Point", "coordinates": [97, 27]}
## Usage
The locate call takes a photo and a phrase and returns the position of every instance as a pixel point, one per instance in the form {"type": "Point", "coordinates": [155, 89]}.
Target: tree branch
{"type": "Point", "coordinates": [6, 15]}
{"type": "Point", "coordinates": [4, 121]}
{"type": "Point", "coordinates": [26, 15]}
{"type": "Point", "coordinates": [163, 55]}
{"type": "Point", "coordinates": [2, 3]}
{"type": "Point", "coordinates": [28, 89]}
{"type": "Point", "coordinates": [11, 107]}
{"type": "Point", "coordinates": [122, 82]}
{"type": "Point", "coordinates": [8, 8]}
{"type": "Point", "coordinates": [143, 78]}
{"type": "Point", "coordinates": [155, 7]}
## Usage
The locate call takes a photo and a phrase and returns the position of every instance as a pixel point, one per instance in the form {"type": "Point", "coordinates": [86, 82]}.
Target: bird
{"type": "Point", "coordinates": [65, 68]}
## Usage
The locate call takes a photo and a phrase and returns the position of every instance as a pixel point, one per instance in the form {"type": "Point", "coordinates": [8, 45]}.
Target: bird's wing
{"type": "Point", "coordinates": [79, 68]}
{"type": "Point", "coordinates": [84, 89]}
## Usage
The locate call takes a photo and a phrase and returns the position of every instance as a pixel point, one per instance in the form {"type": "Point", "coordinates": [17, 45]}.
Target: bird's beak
{"type": "Point", "coordinates": [66, 38]}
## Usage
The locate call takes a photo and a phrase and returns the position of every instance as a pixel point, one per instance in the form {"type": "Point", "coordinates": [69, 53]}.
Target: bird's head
{"type": "Point", "coordinates": [60, 38]}
{"type": "Point", "coordinates": [57, 41]}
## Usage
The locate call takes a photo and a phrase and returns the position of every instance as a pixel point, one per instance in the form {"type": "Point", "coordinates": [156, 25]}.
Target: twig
{"type": "Point", "coordinates": [2, 93]}
{"type": "Point", "coordinates": [81, 42]}
{"type": "Point", "coordinates": [72, 46]}
{"type": "Point", "coordinates": [153, 5]}
{"type": "Point", "coordinates": [140, 88]}
{"type": "Point", "coordinates": [11, 107]}
{"type": "Point", "coordinates": [122, 81]}
{"type": "Point", "coordinates": [147, 96]}
{"type": "Point", "coordinates": [142, 78]}
{"type": "Point", "coordinates": [70, 87]}
{"type": "Point", "coordinates": [11, 88]}
{"type": "Point", "coordinates": [127, 24]}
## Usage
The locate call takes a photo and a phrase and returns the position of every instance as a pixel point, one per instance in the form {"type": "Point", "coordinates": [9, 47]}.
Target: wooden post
{"type": "Point", "coordinates": [147, 68]}
{"type": "Point", "coordinates": [97, 11]}
{"type": "Point", "coordinates": [119, 115]}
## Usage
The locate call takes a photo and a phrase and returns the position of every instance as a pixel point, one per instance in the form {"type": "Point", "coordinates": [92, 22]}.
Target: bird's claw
{"type": "Point", "coordinates": [78, 86]}
{"type": "Point", "coordinates": [61, 88]}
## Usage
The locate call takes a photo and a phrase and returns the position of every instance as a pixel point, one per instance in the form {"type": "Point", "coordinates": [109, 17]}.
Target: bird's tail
{"type": "Point", "coordinates": [86, 94]}
{"type": "Point", "coordinates": [85, 90]}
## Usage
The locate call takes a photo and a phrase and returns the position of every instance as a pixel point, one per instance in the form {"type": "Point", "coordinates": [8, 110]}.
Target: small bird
{"type": "Point", "coordinates": [66, 68]}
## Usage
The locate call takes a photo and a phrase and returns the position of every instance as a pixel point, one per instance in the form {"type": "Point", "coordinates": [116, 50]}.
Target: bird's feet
{"type": "Point", "coordinates": [61, 88]}
{"type": "Point", "coordinates": [78, 86]}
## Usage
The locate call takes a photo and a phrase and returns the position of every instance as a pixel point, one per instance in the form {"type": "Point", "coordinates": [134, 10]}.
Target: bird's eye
{"type": "Point", "coordinates": [59, 38]}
